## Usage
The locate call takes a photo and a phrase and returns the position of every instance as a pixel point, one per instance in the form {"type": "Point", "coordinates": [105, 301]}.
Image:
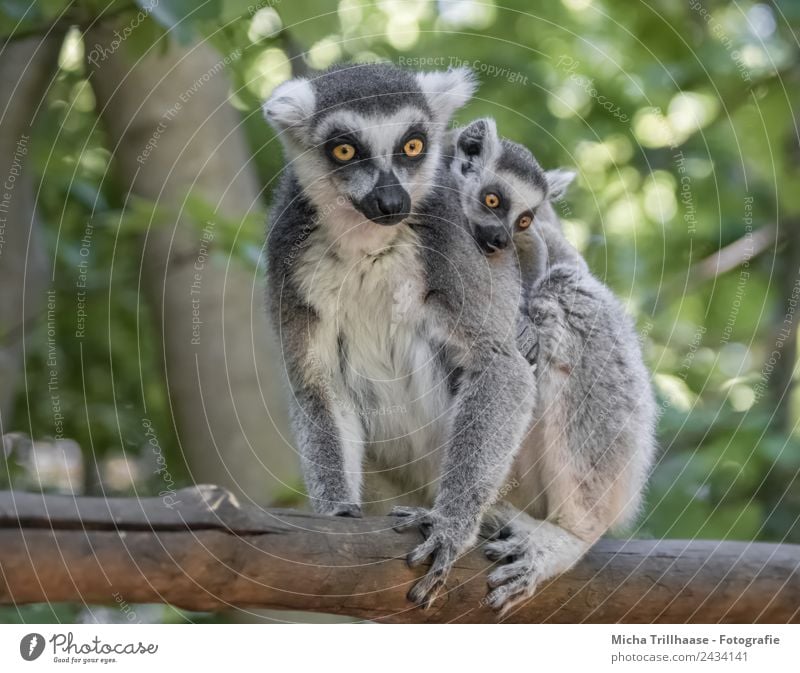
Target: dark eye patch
{"type": "Point", "coordinates": [525, 213]}
{"type": "Point", "coordinates": [504, 203]}
{"type": "Point", "coordinates": [338, 137]}
{"type": "Point", "coordinates": [414, 131]}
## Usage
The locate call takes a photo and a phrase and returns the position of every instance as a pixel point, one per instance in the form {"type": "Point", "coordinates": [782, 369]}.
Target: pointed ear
{"type": "Point", "coordinates": [557, 182]}
{"type": "Point", "coordinates": [447, 90]}
{"type": "Point", "coordinates": [476, 137]}
{"type": "Point", "coordinates": [291, 106]}
{"type": "Point", "coordinates": [474, 143]}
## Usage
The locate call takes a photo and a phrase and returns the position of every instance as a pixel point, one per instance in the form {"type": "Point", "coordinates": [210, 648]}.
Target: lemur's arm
{"type": "Point", "coordinates": [542, 247]}
{"type": "Point", "coordinates": [532, 258]}
{"type": "Point", "coordinates": [330, 452]}
{"type": "Point", "coordinates": [328, 434]}
{"type": "Point", "coordinates": [493, 409]}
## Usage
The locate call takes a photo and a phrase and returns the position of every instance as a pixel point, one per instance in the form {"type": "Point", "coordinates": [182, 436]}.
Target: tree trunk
{"type": "Point", "coordinates": [26, 69]}
{"type": "Point", "coordinates": [785, 334]}
{"type": "Point", "coordinates": [172, 133]}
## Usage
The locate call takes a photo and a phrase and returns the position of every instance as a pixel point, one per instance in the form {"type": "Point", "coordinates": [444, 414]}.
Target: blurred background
{"type": "Point", "coordinates": [137, 169]}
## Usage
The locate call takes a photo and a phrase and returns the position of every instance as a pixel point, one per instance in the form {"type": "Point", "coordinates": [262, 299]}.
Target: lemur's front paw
{"type": "Point", "coordinates": [516, 580]}
{"type": "Point", "coordinates": [444, 542]}
{"type": "Point", "coordinates": [413, 517]}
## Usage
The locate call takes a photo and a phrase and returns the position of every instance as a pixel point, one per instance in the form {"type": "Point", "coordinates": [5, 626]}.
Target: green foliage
{"type": "Point", "coordinates": [178, 16]}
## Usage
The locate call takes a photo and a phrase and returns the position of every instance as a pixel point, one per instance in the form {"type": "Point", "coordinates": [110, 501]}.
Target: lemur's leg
{"type": "Point", "coordinates": [330, 439]}
{"type": "Point", "coordinates": [591, 481]}
{"type": "Point", "coordinates": [493, 410]}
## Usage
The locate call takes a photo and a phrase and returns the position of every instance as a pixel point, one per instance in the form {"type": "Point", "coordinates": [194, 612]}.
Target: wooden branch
{"type": "Point", "coordinates": [201, 549]}
{"type": "Point", "coordinates": [734, 254]}
{"type": "Point", "coordinates": [724, 260]}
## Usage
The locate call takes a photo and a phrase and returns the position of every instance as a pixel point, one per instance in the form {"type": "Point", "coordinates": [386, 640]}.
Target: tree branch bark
{"type": "Point", "coordinates": [204, 550]}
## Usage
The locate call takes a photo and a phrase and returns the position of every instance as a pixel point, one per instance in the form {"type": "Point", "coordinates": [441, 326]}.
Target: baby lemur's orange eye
{"type": "Point", "coordinates": [491, 200]}
{"type": "Point", "coordinates": [524, 221]}
{"type": "Point", "coordinates": [344, 152]}
{"type": "Point", "coordinates": [413, 147]}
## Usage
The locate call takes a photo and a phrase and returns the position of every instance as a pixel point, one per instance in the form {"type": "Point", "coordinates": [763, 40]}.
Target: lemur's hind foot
{"type": "Point", "coordinates": [530, 553]}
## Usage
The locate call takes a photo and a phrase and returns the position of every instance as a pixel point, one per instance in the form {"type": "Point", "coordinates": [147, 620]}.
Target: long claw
{"type": "Point", "coordinates": [421, 552]}
{"type": "Point", "coordinates": [425, 591]}
{"type": "Point", "coordinates": [411, 517]}
{"type": "Point", "coordinates": [403, 526]}
{"type": "Point", "coordinates": [401, 510]}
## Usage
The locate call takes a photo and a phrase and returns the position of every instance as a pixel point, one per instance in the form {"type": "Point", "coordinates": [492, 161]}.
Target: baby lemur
{"type": "Point", "coordinates": [584, 462]}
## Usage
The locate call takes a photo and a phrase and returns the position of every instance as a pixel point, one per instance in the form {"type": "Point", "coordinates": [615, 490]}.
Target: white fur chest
{"type": "Point", "coordinates": [368, 305]}
{"type": "Point", "coordinates": [373, 348]}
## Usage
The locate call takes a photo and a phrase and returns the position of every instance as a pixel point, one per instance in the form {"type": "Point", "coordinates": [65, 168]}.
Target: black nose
{"type": "Point", "coordinates": [491, 238]}
{"type": "Point", "coordinates": [388, 202]}
{"type": "Point", "coordinates": [391, 201]}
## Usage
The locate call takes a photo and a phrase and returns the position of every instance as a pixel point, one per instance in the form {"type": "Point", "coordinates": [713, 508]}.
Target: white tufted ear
{"type": "Point", "coordinates": [447, 90]}
{"type": "Point", "coordinates": [557, 182]}
{"type": "Point", "coordinates": [291, 105]}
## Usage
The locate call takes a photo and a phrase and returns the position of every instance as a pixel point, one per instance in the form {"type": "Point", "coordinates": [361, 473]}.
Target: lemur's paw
{"type": "Point", "coordinates": [505, 545]}
{"type": "Point", "coordinates": [443, 544]}
{"type": "Point", "coordinates": [493, 529]}
{"type": "Point", "coordinates": [515, 581]}
{"type": "Point", "coordinates": [347, 510]}
{"type": "Point", "coordinates": [412, 517]}
{"type": "Point", "coordinates": [527, 339]}
{"type": "Point", "coordinates": [443, 550]}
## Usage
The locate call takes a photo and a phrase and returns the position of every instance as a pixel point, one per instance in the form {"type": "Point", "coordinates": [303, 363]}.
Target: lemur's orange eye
{"type": "Point", "coordinates": [344, 152]}
{"type": "Point", "coordinates": [524, 221]}
{"type": "Point", "coordinates": [413, 147]}
{"type": "Point", "coordinates": [491, 200]}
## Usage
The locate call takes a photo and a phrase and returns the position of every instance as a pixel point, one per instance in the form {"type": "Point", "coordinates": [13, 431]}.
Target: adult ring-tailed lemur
{"type": "Point", "coordinates": [398, 334]}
